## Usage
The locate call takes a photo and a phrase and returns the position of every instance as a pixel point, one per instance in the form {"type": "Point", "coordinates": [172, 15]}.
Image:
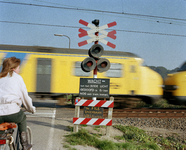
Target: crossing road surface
{"type": "Point", "coordinates": [49, 124]}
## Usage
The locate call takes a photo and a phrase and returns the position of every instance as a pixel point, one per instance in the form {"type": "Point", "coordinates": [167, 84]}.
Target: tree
{"type": "Point", "coordinates": [163, 71]}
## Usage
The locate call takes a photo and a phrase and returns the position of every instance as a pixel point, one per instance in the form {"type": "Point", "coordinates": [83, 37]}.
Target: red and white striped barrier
{"type": "Point", "coordinates": [94, 103]}
{"type": "Point", "coordinates": [92, 121]}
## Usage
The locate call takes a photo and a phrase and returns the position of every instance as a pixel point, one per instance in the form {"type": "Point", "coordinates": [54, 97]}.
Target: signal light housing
{"type": "Point", "coordinates": [103, 65]}
{"type": "Point", "coordinates": [96, 22]}
{"type": "Point", "coordinates": [88, 64]}
{"type": "Point", "coordinates": [96, 51]}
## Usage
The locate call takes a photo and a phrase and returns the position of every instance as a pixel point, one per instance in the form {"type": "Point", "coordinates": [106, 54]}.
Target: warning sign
{"type": "Point", "coordinates": [91, 87]}
{"type": "Point", "coordinates": [93, 112]}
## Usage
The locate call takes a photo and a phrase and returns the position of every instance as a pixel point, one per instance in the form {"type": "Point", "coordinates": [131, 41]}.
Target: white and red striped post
{"type": "Point", "coordinates": [95, 38]}
{"type": "Point", "coordinates": [93, 121]}
{"type": "Point", "coordinates": [96, 69]}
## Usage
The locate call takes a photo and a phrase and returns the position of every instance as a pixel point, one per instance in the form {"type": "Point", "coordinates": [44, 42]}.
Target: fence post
{"type": "Point", "coordinates": [77, 110]}
{"type": "Point", "coordinates": [110, 110]}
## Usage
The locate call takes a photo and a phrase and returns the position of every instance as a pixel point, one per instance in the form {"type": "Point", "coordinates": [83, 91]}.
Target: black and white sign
{"type": "Point", "coordinates": [94, 87]}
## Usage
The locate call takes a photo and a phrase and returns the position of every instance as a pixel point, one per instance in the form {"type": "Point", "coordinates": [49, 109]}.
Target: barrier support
{"type": "Point", "coordinates": [77, 111]}
{"type": "Point", "coordinates": [110, 110]}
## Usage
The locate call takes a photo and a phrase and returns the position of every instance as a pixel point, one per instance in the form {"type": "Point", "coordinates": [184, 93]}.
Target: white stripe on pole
{"type": "Point", "coordinates": [93, 103]}
{"type": "Point", "coordinates": [81, 102]}
{"type": "Point", "coordinates": [105, 121]}
{"type": "Point", "coordinates": [79, 120]}
{"type": "Point", "coordinates": [103, 41]}
{"type": "Point", "coordinates": [90, 41]}
{"type": "Point", "coordinates": [92, 121]}
{"type": "Point", "coordinates": [106, 104]}
{"type": "Point", "coordinates": [91, 26]}
{"type": "Point", "coordinates": [102, 36]}
{"type": "Point", "coordinates": [92, 35]}
{"type": "Point", "coordinates": [104, 32]}
{"type": "Point", "coordinates": [103, 27]}
{"type": "Point", "coordinates": [91, 31]}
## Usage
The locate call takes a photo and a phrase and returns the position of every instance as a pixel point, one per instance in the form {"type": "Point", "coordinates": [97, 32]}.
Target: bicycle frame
{"type": "Point", "coordinates": [7, 139]}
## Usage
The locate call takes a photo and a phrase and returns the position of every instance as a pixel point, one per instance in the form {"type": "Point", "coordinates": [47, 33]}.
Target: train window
{"type": "Point", "coordinates": [43, 66]}
{"type": "Point", "coordinates": [132, 69]}
{"type": "Point", "coordinates": [44, 69]}
{"type": "Point", "coordinates": [115, 70]}
{"type": "Point", "coordinates": [78, 71]}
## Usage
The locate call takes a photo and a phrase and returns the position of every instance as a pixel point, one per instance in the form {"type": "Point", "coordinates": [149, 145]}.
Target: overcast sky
{"type": "Point", "coordinates": [153, 29]}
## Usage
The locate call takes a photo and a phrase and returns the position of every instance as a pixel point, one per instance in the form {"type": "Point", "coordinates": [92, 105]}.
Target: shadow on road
{"type": "Point", "coordinates": [47, 124]}
{"type": "Point", "coordinates": [51, 105]}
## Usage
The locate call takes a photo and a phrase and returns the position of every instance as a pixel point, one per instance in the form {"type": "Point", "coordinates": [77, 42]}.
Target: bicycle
{"type": "Point", "coordinates": [7, 141]}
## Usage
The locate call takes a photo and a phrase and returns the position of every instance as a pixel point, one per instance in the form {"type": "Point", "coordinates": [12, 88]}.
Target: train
{"type": "Point", "coordinates": [174, 89]}
{"type": "Point", "coordinates": [54, 72]}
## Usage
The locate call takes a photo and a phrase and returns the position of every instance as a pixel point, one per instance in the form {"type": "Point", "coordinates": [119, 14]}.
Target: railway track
{"type": "Point", "coordinates": [146, 113]}
{"type": "Point", "coordinates": [120, 113]}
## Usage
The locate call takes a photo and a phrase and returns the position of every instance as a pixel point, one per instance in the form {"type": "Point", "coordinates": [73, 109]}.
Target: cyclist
{"type": "Point", "coordinates": [13, 94]}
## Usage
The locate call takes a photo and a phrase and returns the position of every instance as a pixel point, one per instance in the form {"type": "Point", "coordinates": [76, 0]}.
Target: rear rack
{"type": "Point", "coordinates": [6, 125]}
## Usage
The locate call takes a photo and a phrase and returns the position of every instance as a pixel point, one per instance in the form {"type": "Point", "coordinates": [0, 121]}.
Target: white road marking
{"type": "Point", "coordinates": [51, 113]}
{"type": "Point", "coordinates": [51, 132]}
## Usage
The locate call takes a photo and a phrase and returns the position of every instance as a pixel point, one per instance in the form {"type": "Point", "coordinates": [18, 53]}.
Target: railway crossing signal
{"type": "Point", "coordinates": [96, 51]}
{"type": "Point", "coordinates": [94, 62]}
{"type": "Point", "coordinates": [103, 65]}
{"type": "Point", "coordinates": [94, 29]}
{"type": "Point", "coordinates": [90, 63]}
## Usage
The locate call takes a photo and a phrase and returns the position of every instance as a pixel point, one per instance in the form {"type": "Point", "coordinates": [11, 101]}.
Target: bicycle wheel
{"type": "Point", "coordinates": [4, 147]}
{"type": "Point", "coordinates": [12, 146]}
{"type": "Point", "coordinates": [17, 139]}
{"type": "Point", "coordinates": [29, 136]}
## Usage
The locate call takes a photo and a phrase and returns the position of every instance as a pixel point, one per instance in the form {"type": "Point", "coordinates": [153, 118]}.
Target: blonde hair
{"type": "Point", "coordinates": [8, 65]}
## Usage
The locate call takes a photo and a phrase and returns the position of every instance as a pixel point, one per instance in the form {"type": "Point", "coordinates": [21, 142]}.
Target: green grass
{"type": "Point", "coordinates": [133, 138]}
{"type": "Point", "coordinates": [162, 103]}
{"type": "Point", "coordinates": [138, 136]}
{"type": "Point", "coordinates": [69, 148]}
{"type": "Point", "coordinates": [84, 138]}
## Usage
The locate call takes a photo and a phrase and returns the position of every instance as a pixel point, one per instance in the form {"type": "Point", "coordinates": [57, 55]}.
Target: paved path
{"type": "Point", "coordinates": [48, 132]}
{"type": "Point", "coordinates": [49, 124]}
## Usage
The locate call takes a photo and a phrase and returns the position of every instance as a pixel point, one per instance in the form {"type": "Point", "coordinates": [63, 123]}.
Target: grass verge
{"type": "Point", "coordinates": [162, 103]}
{"type": "Point", "coordinates": [133, 138]}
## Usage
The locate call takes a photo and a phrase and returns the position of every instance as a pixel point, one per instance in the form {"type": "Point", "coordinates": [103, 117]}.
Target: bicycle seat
{"type": "Point", "coordinates": [6, 125]}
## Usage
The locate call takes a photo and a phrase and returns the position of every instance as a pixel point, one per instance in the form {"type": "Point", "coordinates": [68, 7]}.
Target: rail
{"type": "Point", "coordinates": [147, 113]}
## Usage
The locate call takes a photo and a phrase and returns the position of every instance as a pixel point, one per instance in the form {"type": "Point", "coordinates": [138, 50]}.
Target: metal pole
{"type": "Point", "coordinates": [65, 36]}
{"type": "Point", "coordinates": [95, 70]}
{"type": "Point", "coordinates": [69, 40]}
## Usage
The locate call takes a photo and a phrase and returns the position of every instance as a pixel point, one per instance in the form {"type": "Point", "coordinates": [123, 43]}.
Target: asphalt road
{"type": "Point", "coordinates": [49, 124]}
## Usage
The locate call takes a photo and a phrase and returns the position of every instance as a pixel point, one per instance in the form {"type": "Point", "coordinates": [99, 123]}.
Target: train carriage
{"type": "Point", "coordinates": [175, 87]}
{"type": "Point", "coordinates": [57, 71]}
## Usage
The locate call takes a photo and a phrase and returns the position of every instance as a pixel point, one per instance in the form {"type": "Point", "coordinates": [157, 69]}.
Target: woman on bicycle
{"type": "Point", "coordinates": [13, 94]}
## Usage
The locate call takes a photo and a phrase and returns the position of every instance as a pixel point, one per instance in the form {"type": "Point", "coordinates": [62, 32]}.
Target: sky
{"type": "Point", "coordinates": [153, 29]}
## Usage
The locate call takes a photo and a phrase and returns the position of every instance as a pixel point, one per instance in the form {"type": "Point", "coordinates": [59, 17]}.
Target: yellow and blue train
{"type": "Point", "coordinates": [175, 87]}
{"type": "Point", "coordinates": [57, 71]}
